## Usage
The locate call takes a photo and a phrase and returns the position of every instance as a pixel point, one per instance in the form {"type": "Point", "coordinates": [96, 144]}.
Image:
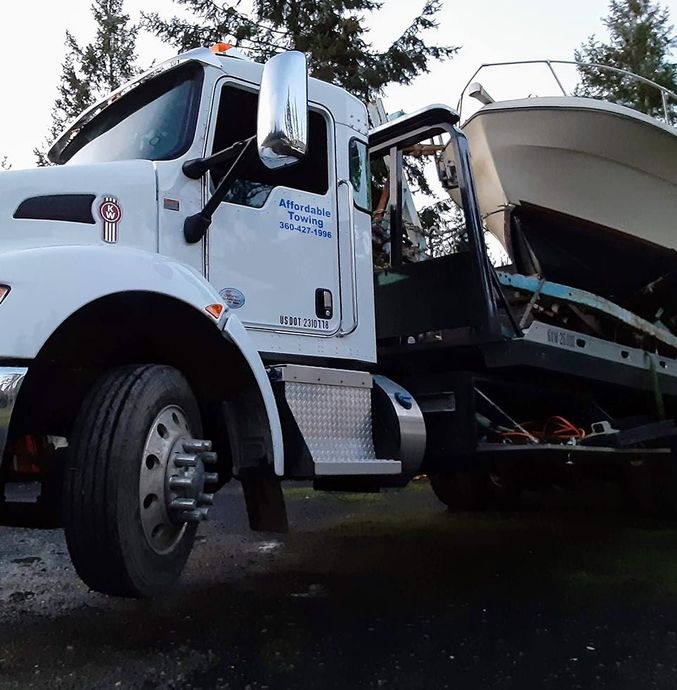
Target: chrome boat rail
{"type": "Point", "coordinates": [668, 97]}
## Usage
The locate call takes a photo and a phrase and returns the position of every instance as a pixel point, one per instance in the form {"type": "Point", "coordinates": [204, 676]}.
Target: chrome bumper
{"type": "Point", "coordinates": [11, 379]}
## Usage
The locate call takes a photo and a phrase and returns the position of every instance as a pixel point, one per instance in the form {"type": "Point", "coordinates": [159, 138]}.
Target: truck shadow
{"type": "Point", "coordinates": [379, 595]}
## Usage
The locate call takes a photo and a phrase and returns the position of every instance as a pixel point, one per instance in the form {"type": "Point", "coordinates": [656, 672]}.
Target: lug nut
{"type": "Point", "coordinates": [197, 515]}
{"type": "Point", "coordinates": [183, 504]}
{"type": "Point", "coordinates": [208, 458]}
{"type": "Point", "coordinates": [211, 477]}
{"type": "Point", "coordinates": [195, 445]}
{"type": "Point", "coordinates": [205, 499]}
{"type": "Point", "coordinates": [183, 460]}
{"type": "Point", "coordinates": [176, 483]}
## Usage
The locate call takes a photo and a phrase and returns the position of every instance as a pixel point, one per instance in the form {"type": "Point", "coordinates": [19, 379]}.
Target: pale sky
{"type": "Point", "coordinates": [32, 48]}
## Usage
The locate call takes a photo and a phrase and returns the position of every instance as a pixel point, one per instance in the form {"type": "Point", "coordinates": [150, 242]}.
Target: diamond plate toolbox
{"type": "Point", "coordinates": [332, 409]}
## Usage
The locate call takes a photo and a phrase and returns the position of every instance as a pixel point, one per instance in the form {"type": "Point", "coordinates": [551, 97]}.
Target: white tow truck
{"type": "Point", "coordinates": [190, 297]}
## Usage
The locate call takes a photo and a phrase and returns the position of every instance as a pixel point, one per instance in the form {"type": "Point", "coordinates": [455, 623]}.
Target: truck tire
{"type": "Point", "coordinates": [123, 446]}
{"type": "Point", "coordinates": [475, 491]}
{"type": "Point", "coordinates": [461, 490]}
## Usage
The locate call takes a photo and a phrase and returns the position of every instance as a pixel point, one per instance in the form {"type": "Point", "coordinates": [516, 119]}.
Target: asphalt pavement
{"type": "Point", "coordinates": [374, 591]}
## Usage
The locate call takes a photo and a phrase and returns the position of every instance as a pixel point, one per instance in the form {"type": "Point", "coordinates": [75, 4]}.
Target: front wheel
{"type": "Point", "coordinates": [135, 481]}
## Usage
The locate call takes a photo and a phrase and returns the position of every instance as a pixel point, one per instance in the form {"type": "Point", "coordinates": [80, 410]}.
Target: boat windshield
{"type": "Point", "coordinates": [155, 121]}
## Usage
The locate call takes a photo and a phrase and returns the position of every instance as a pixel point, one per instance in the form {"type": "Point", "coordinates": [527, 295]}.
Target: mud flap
{"type": "Point", "coordinates": [263, 496]}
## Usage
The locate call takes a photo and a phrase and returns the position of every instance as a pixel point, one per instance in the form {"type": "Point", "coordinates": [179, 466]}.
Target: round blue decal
{"type": "Point", "coordinates": [232, 297]}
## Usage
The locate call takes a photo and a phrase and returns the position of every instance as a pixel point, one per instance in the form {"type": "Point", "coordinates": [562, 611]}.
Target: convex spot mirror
{"type": "Point", "coordinates": [282, 123]}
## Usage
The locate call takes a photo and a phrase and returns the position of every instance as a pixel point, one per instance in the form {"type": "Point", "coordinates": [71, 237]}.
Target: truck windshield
{"type": "Point", "coordinates": [155, 121]}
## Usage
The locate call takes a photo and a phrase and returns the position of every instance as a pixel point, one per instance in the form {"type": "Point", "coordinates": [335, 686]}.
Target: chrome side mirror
{"type": "Point", "coordinates": [282, 123]}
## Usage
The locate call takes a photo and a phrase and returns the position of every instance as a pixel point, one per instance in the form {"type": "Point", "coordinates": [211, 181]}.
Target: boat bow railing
{"type": "Point", "coordinates": [667, 96]}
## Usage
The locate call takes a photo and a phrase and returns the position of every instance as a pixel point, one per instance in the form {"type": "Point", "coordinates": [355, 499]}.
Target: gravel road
{"type": "Point", "coordinates": [370, 591]}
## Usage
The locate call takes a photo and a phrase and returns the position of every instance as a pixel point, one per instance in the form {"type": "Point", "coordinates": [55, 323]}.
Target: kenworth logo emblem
{"type": "Point", "coordinates": [110, 213]}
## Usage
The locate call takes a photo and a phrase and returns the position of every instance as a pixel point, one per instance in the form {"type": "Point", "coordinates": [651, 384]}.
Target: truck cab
{"type": "Point", "coordinates": [195, 278]}
{"type": "Point", "coordinates": [273, 225]}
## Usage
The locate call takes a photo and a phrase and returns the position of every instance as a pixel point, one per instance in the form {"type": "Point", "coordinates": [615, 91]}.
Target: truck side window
{"type": "Point", "coordinates": [237, 121]}
{"type": "Point", "coordinates": [360, 176]}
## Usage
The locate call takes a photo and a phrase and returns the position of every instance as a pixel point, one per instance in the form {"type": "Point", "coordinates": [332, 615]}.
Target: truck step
{"type": "Point", "coordinates": [369, 466]}
{"type": "Point", "coordinates": [331, 432]}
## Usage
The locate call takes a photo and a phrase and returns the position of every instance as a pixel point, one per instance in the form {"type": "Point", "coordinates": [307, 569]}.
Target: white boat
{"type": "Point", "coordinates": [580, 190]}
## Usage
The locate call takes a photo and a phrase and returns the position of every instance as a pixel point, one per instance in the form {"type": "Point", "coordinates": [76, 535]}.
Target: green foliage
{"type": "Point", "coordinates": [90, 72]}
{"type": "Point", "coordinates": [641, 39]}
{"type": "Point", "coordinates": [332, 33]}
{"type": "Point", "coordinates": [442, 223]}
{"type": "Point", "coordinates": [443, 226]}
{"type": "Point", "coordinates": [74, 90]}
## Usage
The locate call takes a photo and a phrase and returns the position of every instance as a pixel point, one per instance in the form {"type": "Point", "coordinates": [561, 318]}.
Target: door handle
{"type": "Point", "coordinates": [353, 263]}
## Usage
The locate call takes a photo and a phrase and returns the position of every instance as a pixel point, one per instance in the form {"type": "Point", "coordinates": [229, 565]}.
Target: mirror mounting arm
{"type": "Point", "coordinates": [195, 226]}
{"type": "Point", "coordinates": [197, 167]}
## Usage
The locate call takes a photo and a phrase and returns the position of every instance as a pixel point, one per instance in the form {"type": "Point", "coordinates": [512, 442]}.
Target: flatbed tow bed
{"type": "Point", "coordinates": [485, 352]}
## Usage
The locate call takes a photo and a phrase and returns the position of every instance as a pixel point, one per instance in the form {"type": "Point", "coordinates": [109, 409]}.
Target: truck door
{"type": "Point", "coordinates": [273, 243]}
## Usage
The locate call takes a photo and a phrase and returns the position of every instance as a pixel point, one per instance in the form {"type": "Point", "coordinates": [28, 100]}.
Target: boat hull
{"type": "Point", "coordinates": [606, 164]}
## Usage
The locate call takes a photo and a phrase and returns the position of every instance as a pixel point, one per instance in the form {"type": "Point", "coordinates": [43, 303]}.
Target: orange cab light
{"type": "Point", "coordinates": [220, 47]}
{"type": "Point", "coordinates": [214, 310]}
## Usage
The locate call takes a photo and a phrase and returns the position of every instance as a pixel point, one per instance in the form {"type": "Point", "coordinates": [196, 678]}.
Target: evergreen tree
{"type": "Point", "coordinates": [443, 226]}
{"type": "Point", "coordinates": [332, 33]}
{"type": "Point", "coordinates": [641, 39]}
{"type": "Point", "coordinates": [5, 164]}
{"type": "Point", "coordinates": [90, 72]}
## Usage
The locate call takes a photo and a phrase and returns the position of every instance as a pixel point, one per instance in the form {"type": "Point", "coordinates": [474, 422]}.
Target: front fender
{"type": "Point", "coordinates": [236, 333]}
{"type": "Point", "coordinates": [49, 284]}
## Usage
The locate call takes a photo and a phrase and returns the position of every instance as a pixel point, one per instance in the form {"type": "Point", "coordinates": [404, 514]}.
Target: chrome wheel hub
{"type": "Point", "coordinates": [173, 479]}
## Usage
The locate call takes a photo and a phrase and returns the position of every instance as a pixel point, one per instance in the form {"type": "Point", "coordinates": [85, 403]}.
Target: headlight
{"type": "Point", "coordinates": [4, 291]}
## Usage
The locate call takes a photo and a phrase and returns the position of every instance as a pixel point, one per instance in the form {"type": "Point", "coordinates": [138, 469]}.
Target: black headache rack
{"type": "Point", "coordinates": [452, 292]}
{"type": "Point", "coordinates": [447, 330]}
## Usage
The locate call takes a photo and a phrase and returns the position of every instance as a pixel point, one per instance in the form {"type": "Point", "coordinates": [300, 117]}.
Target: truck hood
{"type": "Point", "coordinates": [102, 203]}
